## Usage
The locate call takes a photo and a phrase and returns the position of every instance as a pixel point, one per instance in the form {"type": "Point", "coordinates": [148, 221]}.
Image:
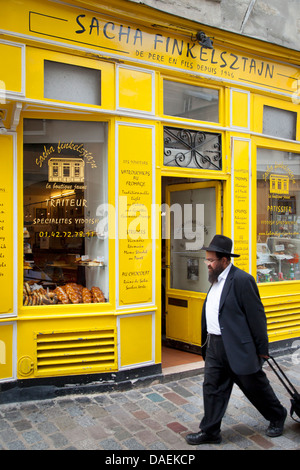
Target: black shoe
{"type": "Point", "coordinates": [202, 438]}
{"type": "Point", "coordinates": [275, 428]}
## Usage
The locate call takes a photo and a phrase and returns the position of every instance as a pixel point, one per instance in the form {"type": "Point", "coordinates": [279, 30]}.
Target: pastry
{"type": "Point", "coordinates": [86, 296]}
{"type": "Point", "coordinates": [72, 293]}
{"type": "Point", "coordinates": [97, 295]}
{"type": "Point", "coordinates": [61, 295]}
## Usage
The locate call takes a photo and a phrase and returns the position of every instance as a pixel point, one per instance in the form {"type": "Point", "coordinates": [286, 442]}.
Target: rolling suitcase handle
{"type": "Point", "coordinates": [295, 400]}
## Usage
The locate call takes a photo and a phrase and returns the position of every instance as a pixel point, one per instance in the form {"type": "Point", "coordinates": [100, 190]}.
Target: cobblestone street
{"type": "Point", "coordinates": [154, 418]}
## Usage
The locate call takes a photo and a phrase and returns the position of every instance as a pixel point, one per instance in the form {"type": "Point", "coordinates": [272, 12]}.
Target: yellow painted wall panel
{"type": "Point", "coordinates": [184, 323]}
{"type": "Point", "coordinates": [135, 90]}
{"type": "Point", "coordinates": [11, 67]}
{"type": "Point", "coordinates": [135, 339]}
{"type": "Point", "coordinates": [239, 109]}
{"type": "Point", "coordinates": [195, 307]}
{"type": "Point", "coordinates": [177, 325]}
{"type": "Point", "coordinates": [6, 350]}
{"type": "Point", "coordinates": [34, 73]}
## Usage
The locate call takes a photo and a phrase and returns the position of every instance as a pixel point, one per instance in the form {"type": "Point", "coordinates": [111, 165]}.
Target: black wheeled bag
{"type": "Point", "coordinates": [295, 400]}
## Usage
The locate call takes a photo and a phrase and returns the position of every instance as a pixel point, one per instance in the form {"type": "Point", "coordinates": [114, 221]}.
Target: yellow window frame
{"type": "Point", "coordinates": [282, 287]}
{"type": "Point", "coordinates": [68, 310]}
{"type": "Point", "coordinates": [197, 83]}
{"type": "Point", "coordinates": [35, 59]}
{"type": "Point", "coordinates": [258, 103]}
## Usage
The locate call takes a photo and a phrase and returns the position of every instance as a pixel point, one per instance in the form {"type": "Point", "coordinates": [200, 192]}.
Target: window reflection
{"type": "Point", "coordinates": [279, 122]}
{"type": "Point", "coordinates": [278, 216]}
{"type": "Point", "coordinates": [65, 188]}
{"type": "Point", "coordinates": [192, 102]}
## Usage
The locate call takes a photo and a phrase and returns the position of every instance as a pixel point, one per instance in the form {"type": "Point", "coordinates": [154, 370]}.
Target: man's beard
{"type": "Point", "coordinates": [213, 274]}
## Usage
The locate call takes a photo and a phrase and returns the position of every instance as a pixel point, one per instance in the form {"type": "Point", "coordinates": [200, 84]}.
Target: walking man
{"type": "Point", "coordinates": [234, 345]}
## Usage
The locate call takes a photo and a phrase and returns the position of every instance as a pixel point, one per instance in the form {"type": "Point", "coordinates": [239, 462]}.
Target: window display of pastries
{"type": "Point", "coordinates": [70, 293]}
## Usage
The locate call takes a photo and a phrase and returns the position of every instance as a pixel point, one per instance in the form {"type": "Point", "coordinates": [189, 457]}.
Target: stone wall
{"type": "Point", "coordinates": [274, 21]}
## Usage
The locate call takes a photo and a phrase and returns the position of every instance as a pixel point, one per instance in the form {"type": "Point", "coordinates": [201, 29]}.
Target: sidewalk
{"type": "Point", "coordinates": [154, 418]}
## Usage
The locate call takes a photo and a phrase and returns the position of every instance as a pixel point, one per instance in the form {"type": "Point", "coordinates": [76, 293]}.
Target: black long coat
{"type": "Point", "coordinates": [242, 321]}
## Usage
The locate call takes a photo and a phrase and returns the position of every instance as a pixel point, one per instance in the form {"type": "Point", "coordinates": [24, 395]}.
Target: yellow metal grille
{"type": "Point", "coordinates": [283, 321]}
{"type": "Point", "coordinates": [74, 352]}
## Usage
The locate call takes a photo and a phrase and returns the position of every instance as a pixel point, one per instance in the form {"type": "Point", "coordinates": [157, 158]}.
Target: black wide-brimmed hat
{"type": "Point", "coordinates": [221, 244]}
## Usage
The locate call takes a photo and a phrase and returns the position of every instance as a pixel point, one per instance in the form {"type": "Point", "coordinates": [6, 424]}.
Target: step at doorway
{"type": "Point", "coordinates": [175, 357]}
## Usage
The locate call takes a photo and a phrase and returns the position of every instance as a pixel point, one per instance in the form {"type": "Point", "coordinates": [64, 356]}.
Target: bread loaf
{"type": "Point", "coordinates": [97, 295]}
{"type": "Point", "coordinates": [86, 296]}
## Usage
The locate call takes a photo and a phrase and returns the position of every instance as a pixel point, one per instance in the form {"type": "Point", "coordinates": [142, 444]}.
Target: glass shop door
{"type": "Point", "coordinates": [193, 217]}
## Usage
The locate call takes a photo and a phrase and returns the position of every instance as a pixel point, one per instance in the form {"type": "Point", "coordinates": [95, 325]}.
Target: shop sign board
{"type": "Point", "coordinates": [61, 23]}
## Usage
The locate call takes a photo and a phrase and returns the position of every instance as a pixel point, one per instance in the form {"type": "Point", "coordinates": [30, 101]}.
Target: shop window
{"type": "Point", "coordinates": [65, 202]}
{"type": "Point", "coordinates": [191, 102]}
{"type": "Point", "coordinates": [72, 83]}
{"type": "Point", "coordinates": [278, 216]}
{"type": "Point", "coordinates": [187, 148]}
{"type": "Point", "coordinates": [279, 123]}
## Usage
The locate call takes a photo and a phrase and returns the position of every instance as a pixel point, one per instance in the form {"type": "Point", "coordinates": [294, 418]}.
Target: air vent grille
{"type": "Point", "coordinates": [75, 352]}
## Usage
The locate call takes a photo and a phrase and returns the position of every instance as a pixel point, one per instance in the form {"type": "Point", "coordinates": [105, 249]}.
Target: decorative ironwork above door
{"type": "Point", "coordinates": [188, 148]}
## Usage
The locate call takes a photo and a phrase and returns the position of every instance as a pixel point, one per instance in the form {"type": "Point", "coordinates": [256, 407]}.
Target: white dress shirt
{"type": "Point", "coordinates": [213, 303]}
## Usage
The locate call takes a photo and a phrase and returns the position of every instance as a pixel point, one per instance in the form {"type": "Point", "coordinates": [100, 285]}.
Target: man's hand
{"type": "Point", "coordinates": [264, 356]}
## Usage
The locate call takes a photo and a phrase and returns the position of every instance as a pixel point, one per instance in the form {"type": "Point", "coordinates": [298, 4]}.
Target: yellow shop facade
{"type": "Point", "coordinates": [127, 140]}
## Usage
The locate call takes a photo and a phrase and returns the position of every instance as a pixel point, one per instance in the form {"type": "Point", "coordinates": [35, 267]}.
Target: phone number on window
{"type": "Point", "coordinates": [67, 234]}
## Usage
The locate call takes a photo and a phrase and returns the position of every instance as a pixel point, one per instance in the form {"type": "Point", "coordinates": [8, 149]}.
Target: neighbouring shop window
{"type": "Point", "coordinates": [279, 122]}
{"type": "Point", "coordinates": [72, 83]}
{"type": "Point", "coordinates": [191, 102]}
{"type": "Point", "coordinates": [278, 216]}
{"type": "Point", "coordinates": [65, 202]}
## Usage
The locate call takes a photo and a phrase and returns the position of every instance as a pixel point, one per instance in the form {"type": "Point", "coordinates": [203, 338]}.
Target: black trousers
{"type": "Point", "coordinates": [217, 388]}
